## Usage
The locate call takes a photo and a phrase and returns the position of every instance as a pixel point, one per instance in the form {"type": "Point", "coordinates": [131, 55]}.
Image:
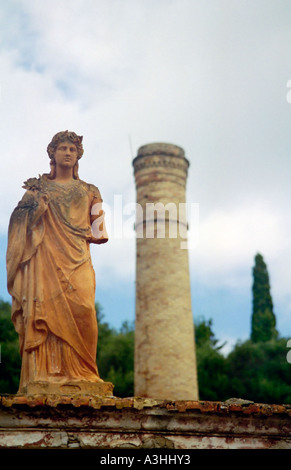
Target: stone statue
{"type": "Point", "coordinates": [51, 278]}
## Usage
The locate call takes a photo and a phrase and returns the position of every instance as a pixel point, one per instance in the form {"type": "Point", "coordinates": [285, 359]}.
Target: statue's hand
{"type": "Point", "coordinates": [43, 199]}
{"type": "Point", "coordinates": [41, 207]}
{"type": "Point", "coordinates": [102, 239]}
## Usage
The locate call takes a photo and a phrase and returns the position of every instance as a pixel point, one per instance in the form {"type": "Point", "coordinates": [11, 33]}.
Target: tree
{"type": "Point", "coordinates": [10, 356]}
{"type": "Point", "coordinates": [257, 371]}
{"type": "Point", "coordinates": [263, 323]}
{"type": "Point", "coordinates": [260, 371]}
{"type": "Point", "coordinates": [204, 334]}
{"type": "Point", "coordinates": [211, 365]}
{"type": "Point", "coordinates": [115, 355]}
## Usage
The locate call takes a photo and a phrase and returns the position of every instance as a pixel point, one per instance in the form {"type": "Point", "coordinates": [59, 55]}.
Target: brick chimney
{"type": "Point", "coordinates": [165, 358]}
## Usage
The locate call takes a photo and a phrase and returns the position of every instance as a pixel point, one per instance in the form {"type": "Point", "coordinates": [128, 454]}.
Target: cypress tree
{"type": "Point", "coordinates": [263, 318]}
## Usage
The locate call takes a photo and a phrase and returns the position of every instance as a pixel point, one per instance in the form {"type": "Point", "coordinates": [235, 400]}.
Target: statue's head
{"type": "Point", "coordinates": [60, 137]}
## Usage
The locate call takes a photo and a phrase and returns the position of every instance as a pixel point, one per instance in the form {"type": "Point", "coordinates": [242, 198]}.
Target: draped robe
{"type": "Point", "coordinates": [52, 281]}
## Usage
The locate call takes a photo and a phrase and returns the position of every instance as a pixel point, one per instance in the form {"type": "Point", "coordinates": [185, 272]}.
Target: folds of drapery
{"type": "Point", "coordinates": [25, 234]}
{"type": "Point", "coordinates": [52, 284]}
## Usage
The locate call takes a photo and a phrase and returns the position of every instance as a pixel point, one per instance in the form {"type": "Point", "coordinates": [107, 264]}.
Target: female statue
{"type": "Point", "coordinates": [49, 270]}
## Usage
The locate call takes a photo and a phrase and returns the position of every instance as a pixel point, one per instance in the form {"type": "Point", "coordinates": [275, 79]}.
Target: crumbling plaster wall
{"type": "Point", "coordinates": [57, 422]}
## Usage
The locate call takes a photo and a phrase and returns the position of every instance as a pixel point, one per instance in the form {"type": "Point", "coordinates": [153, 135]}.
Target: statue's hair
{"type": "Point", "coordinates": [63, 136]}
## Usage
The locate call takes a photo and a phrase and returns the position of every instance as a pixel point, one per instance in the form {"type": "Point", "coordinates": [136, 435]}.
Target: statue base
{"type": "Point", "coordinates": [100, 389]}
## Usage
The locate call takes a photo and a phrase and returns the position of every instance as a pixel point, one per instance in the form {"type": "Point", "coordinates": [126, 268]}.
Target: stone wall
{"type": "Point", "coordinates": [84, 422]}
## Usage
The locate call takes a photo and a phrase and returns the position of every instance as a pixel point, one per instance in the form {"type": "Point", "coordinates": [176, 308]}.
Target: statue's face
{"type": "Point", "coordinates": [66, 155]}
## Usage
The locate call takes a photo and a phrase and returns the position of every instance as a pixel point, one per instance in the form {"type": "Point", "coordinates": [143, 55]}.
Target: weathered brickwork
{"type": "Point", "coordinates": [165, 359]}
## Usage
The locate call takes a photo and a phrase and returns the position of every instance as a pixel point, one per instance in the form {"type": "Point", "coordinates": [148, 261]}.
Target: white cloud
{"type": "Point", "coordinates": [229, 240]}
{"type": "Point", "coordinates": [209, 76]}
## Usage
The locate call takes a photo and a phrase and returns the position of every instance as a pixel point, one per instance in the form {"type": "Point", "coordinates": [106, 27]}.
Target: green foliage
{"type": "Point", "coordinates": [7, 331]}
{"type": "Point", "coordinates": [212, 374]}
{"type": "Point", "coordinates": [204, 334]}
{"type": "Point", "coordinates": [10, 357]}
{"type": "Point", "coordinates": [257, 371]}
{"type": "Point", "coordinates": [115, 356]}
{"type": "Point", "coordinates": [260, 371]}
{"type": "Point", "coordinates": [211, 365]}
{"type": "Point", "coordinates": [263, 318]}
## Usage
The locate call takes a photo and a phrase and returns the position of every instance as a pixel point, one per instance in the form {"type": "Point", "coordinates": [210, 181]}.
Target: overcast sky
{"type": "Point", "coordinates": [210, 76]}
